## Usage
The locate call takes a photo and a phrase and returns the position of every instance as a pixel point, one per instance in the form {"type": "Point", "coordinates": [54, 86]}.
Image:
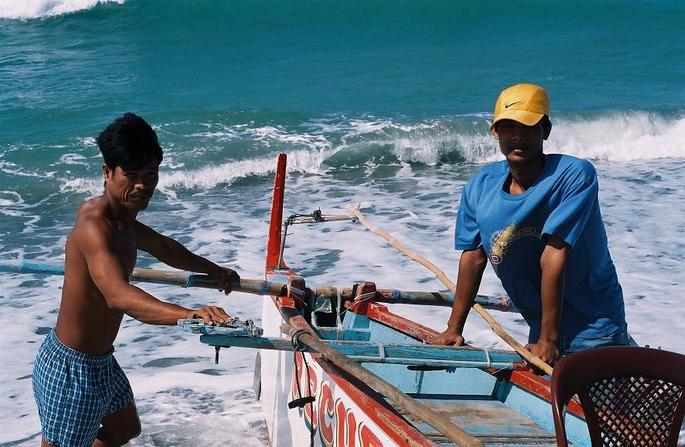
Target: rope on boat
{"type": "Point", "coordinates": [338, 312]}
{"type": "Point", "coordinates": [381, 351]}
{"type": "Point", "coordinates": [301, 347]}
{"type": "Point", "coordinates": [297, 343]}
{"type": "Point", "coordinates": [487, 357]}
{"type": "Point", "coordinates": [295, 291]}
{"type": "Point", "coordinates": [368, 296]}
{"type": "Point", "coordinates": [189, 282]}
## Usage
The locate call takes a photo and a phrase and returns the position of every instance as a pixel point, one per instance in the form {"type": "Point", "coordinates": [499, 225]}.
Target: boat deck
{"type": "Point", "coordinates": [486, 406]}
{"type": "Point", "coordinates": [489, 420]}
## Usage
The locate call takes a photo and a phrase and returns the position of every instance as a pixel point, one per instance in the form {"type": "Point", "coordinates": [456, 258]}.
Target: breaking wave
{"type": "Point", "coordinates": [320, 146]}
{"type": "Point", "coordinates": [32, 9]}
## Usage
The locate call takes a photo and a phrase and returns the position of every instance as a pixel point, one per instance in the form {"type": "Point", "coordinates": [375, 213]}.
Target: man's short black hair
{"type": "Point", "coordinates": [129, 142]}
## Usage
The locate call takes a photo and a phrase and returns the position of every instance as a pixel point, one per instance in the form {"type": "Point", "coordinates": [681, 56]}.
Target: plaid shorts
{"type": "Point", "coordinates": [74, 391]}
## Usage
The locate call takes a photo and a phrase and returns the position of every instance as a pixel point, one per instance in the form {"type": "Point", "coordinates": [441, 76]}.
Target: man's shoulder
{"type": "Point", "coordinates": [490, 171]}
{"type": "Point", "coordinates": [91, 220]}
{"type": "Point", "coordinates": [569, 161]}
{"type": "Point", "coordinates": [571, 167]}
{"type": "Point", "coordinates": [484, 181]}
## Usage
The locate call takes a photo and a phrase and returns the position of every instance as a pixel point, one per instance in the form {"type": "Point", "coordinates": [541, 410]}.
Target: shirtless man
{"type": "Point", "coordinates": [83, 396]}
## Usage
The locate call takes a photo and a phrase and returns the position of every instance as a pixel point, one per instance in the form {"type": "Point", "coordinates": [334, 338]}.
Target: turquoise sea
{"type": "Point", "coordinates": [379, 103]}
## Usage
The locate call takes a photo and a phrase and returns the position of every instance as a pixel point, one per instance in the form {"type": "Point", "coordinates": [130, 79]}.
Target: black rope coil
{"type": "Point", "coordinates": [299, 346]}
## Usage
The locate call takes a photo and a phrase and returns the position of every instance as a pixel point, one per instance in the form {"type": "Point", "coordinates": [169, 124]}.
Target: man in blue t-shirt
{"type": "Point", "coordinates": [536, 218]}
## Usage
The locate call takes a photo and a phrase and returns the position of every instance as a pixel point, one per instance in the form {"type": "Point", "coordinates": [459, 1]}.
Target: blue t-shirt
{"type": "Point", "coordinates": [513, 228]}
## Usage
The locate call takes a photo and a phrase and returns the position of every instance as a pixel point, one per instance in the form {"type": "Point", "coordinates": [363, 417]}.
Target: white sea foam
{"type": "Point", "coordinates": [8, 198]}
{"type": "Point", "coordinates": [14, 169]}
{"type": "Point", "coordinates": [225, 173]}
{"type": "Point", "coordinates": [620, 137]}
{"type": "Point", "coordinates": [72, 159]}
{"type": "Point", "coordinates": [424, 142]}
{"type": "Point", "coordinates": [209, 177]}
{"type": "Point", "coordinates": [428, 150]}
{"type": "Point", "coordinates": [271, 135]}
{"type": "Point", "coordinates": [220, 135]}
{"type": "Point", "coordinates": [614, 137]}
{"type": "Point", "coordinates": [91, 186]}
{"type": "Point", "coordinates": [179, 391]}
{"type": "Point", "coordinates": [181, 395]}
{"type": "Point", "coordinates": [267, 136]}
{"type": "Point", "coordinates": [30, 9]}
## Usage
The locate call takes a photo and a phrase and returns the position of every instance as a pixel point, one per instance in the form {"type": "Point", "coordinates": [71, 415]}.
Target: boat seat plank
{"type": "Point", "coordinates": [495, 441]}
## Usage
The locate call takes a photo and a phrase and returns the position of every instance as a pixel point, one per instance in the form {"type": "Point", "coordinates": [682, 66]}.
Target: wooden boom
{"type": "Point", "coordinates": [425, 413]}
{"type": "Point", "coordinates": [262, 287]}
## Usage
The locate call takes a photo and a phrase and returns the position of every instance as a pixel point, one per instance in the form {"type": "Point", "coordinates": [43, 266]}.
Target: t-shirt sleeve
{"type": "Point", "coordinates": [578, 199]}
{"type": "Point", "coordinates": [466, 234]}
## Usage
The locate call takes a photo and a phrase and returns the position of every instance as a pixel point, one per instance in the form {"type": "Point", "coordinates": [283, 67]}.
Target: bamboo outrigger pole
{"type": "Point", "coordinates": [177, 278]}
{"type": "Point", "coordinates": [504, 335]}
{"type": "Point", "coordinates": [425, 413]}
{"type": "Point", "coordinates": [262, 287]}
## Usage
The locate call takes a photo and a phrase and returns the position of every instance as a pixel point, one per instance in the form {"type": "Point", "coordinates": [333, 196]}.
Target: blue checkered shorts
{"type": "Point", "coordinates": [74, 391]}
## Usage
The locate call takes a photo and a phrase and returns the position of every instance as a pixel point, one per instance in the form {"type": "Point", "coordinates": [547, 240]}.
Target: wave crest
{"type": "Point", "coordinates": [211, 176]}
{"type": "Point", "coordinates": [620, 137]}
{"type": "Point", "coordinates": [33, 9]}
{"type": "Point", "coordinates": [617, 136]}
{"type": "Point", "coordinates": [319, 147]}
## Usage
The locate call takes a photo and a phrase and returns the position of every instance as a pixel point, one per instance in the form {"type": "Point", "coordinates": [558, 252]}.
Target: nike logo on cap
{"type": "Point", "coordinates": [506, 106]}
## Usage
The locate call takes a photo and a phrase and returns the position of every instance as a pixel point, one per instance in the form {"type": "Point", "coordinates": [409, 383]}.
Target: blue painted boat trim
{"type": "Point", "coordinates": [463, 384]}
{"type": "Point", "coordinates": [375, 352]}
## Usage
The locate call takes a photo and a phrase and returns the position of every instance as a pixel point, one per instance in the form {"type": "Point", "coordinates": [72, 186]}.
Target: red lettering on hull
{"type": "Point", "coordinates": [368, 438]}
{"type": "Point", "coordinates": [337, 425]}
{"type": "Point", "coordinates": [346, 425]}
{"type": "Point", "coordinates": [326, 415]}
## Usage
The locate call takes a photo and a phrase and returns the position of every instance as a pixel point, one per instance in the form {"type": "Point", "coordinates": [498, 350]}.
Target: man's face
{"type": "Point", "coordinates": [521, 143]}
{"type": "Point", "coordinates": [132, 188]}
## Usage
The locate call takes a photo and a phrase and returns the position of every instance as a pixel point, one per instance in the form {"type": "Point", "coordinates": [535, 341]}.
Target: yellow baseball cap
{"type": "Point", "coordinates": [524, 103]}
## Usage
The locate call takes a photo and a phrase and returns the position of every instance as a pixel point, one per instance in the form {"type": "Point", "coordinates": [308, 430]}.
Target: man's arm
{"type": "Point", "coordinates": [553, 264]}
{"type": "Point", "coordinates": [176, 255]}
{"type": "Point", "coordinates": [471, 266]}
{"type": "Point", "coordinates": [108, 273]}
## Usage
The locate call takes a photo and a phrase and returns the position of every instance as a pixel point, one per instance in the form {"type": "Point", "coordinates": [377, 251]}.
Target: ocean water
{"type": "Point", "coordinates": [382, 104]}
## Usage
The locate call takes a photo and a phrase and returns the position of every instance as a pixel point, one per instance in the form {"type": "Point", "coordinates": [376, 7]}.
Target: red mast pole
{"type": "Point", "coordinates": [274, 239]}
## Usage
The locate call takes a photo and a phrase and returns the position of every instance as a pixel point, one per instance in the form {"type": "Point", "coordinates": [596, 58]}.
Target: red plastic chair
{"type": "Point", "coordinates": [630, 396]}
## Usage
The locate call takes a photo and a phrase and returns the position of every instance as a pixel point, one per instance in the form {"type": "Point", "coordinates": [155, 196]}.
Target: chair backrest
{"type": "Point", "coordinates": [631, 396]}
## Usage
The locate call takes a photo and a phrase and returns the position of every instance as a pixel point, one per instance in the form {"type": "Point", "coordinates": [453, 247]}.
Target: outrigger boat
{"type": "Point", "coordinates": [351, 373]}
{"type": "Point", "coordinates": [321, 389]}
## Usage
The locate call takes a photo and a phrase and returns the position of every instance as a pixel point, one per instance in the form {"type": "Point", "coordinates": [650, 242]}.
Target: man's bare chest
{"type": "Point", "coordinates": [124, 247]}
